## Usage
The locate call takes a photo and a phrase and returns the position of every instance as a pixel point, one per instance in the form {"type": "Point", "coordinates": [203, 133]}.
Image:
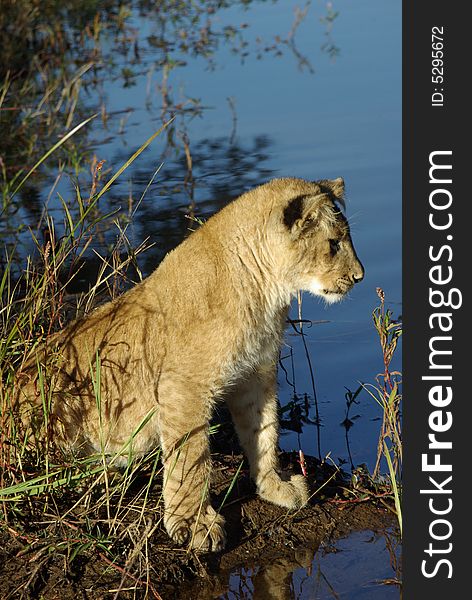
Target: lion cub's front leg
{"type": "Point", "coordinates": [189, 517]}
{"type": "Point", "coordinates": [253, 407]}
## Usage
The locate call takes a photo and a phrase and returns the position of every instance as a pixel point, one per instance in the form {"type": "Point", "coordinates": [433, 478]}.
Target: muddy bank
{"type": "Point", "coordinates": [33, 564]}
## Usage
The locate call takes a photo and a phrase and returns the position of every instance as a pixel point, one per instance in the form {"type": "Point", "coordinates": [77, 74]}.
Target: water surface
{"type": "Point", "coordinates": [358, 567]}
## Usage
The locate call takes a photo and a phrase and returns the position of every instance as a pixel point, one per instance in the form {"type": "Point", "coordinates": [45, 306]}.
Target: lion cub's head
{"type": "Point", "coordinates": [317, 248]}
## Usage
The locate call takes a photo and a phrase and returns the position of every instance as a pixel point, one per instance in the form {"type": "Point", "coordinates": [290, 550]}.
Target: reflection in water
{"type": "Point", "coordinates": [350, 568]}
{"type": "Point", "coordinates": [55, 66]}
{"type": "Point", "coordinates": [349, 419]}
{"type": "Point", "coordinates": [298, 408]}
{"type": "Point", "coordinates": [273, 581]}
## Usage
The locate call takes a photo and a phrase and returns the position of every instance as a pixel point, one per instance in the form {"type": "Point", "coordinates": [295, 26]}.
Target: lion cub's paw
{"type": "Point", "coordinates": [289, 494]}
{"type": "Point", "coordinates": [204, 533]}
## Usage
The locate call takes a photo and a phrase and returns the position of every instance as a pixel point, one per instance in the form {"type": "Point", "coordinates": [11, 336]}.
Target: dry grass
{"type": "Point", "coordinates": [387, 393]}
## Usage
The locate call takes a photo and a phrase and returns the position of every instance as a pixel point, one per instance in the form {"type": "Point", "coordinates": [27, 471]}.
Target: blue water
{"type": "Point", "coordinates": [354, 568]}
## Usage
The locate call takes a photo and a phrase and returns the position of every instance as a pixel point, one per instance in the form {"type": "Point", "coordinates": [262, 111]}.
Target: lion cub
{"type": "Point", "coordinates": [205, 327]}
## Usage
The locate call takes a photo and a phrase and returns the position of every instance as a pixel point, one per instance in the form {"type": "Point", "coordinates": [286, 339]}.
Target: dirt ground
{"type": "Point", "coordinates": [259, 534]}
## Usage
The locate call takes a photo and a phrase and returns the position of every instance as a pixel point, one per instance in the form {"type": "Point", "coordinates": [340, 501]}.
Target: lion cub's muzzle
{"type": "Point", "coordinates": [346, 283]}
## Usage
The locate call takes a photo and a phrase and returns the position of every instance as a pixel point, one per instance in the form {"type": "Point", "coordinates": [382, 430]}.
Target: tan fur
{"type": "Point", "coordinates": [206, 325]}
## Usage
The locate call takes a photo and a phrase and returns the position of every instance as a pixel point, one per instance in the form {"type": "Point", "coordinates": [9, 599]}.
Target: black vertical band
{"type": "Point", "coordinates": [437, 252]}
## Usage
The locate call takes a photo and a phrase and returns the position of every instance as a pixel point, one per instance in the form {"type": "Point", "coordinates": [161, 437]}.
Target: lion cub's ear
{"type": "Point", "coordinates": [335, 187]}
{"type": "Point", "coordinates": [305, 211]}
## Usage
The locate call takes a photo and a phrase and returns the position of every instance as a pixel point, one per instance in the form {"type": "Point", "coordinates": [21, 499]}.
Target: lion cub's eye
{"type": "Point", "coordinates": [334, 246]}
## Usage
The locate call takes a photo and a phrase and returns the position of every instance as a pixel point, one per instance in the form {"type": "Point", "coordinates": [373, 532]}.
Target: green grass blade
{"type": "Point", "coordinates": [396, 492]}
{"type": "Point", "coordinates": [233, 481]}
{"type": "Point", "coordinates": [132, 159]}
{"type": "Point", "coordinates": [45, 482]}
{"type": "Point", "coordinates": [50, 151]}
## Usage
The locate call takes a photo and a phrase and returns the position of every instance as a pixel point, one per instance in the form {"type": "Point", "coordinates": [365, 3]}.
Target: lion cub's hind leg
{"type": "Point", "coordinates": [189, 517]}
{"type": "Point", "coordinates": [253, 406]}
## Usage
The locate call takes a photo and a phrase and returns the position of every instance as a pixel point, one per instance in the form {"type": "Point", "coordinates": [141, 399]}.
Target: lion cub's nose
{"type": "Point", "coordinates": [358, 275]}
